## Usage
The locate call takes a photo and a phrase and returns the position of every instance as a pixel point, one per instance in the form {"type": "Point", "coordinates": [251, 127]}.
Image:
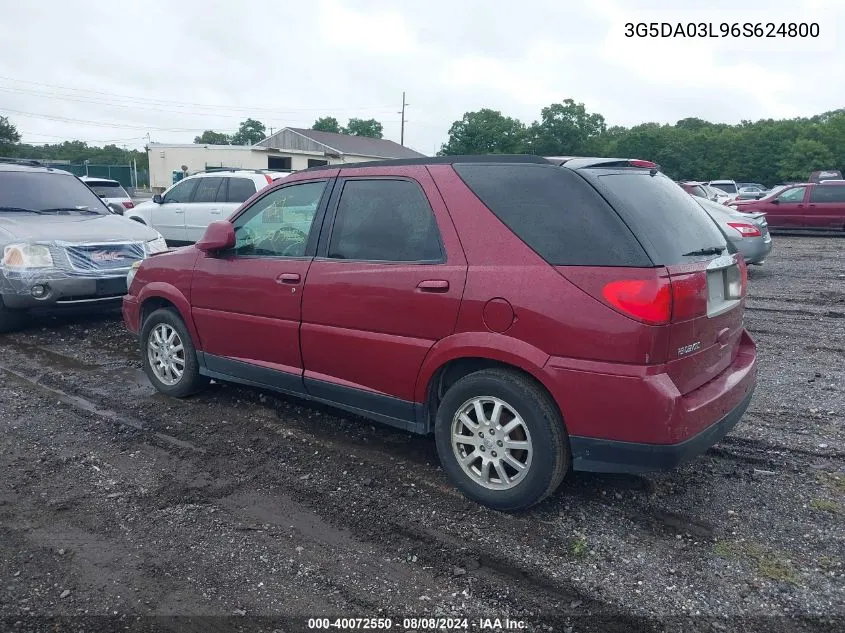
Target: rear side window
{"type": "Point", "coordinates": [556, 213]}
{"type": "Point", "coordinates": [384, 220]}
{"type": "Point", "coordinates": [661, 214]}
{"type": "Point", "coordinates": [827, 193]}
{"type": "Point", "coordinates": [207, 189]}
{"type": "Point", "coordinates": [240, 189]}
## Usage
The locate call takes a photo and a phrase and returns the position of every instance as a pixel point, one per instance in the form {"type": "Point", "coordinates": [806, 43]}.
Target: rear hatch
{"type": "Point", "coordinates": [706, 284]}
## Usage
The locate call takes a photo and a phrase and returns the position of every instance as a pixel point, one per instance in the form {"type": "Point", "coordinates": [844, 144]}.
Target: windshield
{"type": "Point", "coordinates": [108, 189]}
{"type": "Point", "coordinates": [727, 187]}
{"type": "Point", "coordinates": [44, 190]}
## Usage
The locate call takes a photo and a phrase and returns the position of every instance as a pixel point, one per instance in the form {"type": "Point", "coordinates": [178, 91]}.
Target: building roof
{"type": "Point", "coordinates": [292, 138]}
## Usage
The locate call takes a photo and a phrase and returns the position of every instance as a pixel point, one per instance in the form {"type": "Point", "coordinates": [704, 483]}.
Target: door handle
{"type": "Point", "coordinates": [433, 285]}
{"type": "Point", "coordinates": [214, 211]}
{"type": "Point", "coordinates": [178, 211]}
{"type": "Point", "coordinates": [288, 278]}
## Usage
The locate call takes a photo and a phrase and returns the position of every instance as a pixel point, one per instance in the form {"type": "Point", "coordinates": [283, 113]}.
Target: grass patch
{"type": "Point", "coordinates": [769, 565]}
{"type": "Point", "coordinates": [579, 547]}
{"type": "Point", "coordinates": [824, 505]}
{"type": "Point", "coordinates": [834, 481]}
{"type": "Point", "coordinates": [827, 563]}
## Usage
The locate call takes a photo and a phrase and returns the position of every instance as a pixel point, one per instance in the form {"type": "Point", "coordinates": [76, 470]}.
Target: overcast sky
{"type": "Point", "coordinates": [115, 71]}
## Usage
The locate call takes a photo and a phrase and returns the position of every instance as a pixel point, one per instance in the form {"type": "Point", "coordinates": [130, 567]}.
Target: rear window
{"type": "Point", "coordinates": [662, 215]}
{"type": "Point", "coordinates": [724, 186]}
{"type": "Point", "coordinates": [108, 189]}
{"type": "Point", "coordinates": [556, 213]}
{"type": "Point", "coordinates": [44, 190]}
{"type": "Point", "coordinates": [828, 193]}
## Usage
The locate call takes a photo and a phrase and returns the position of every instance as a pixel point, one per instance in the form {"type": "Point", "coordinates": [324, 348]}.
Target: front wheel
{"type": "Point", "coordinates": [501, 439]}
{"type": "Point", "coordinates": [168, 355]}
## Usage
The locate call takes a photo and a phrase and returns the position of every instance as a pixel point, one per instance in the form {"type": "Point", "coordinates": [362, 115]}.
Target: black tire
{"type": "Point", "coordinates": [191, 381]}
{"type": "Point", "coordinates": [10, 320]}
{"type": "Point", "coordinates": [551, 456]}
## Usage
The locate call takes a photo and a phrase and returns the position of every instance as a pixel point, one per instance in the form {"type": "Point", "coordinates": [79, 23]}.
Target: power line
{"type": "Point", "coordinates": [135, 99]}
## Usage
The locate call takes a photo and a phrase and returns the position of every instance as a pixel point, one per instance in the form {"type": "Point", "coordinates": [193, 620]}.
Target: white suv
{"type": "Point", "coordinates": [182, 213]}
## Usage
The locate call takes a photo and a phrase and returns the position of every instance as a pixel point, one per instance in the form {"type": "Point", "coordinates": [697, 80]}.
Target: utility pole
{"type": "Point", "coordinates": [402, 133]}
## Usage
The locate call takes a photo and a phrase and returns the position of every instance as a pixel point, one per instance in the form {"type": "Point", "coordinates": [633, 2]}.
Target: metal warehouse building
{"type": "Point", "coordinates": [288, 149]}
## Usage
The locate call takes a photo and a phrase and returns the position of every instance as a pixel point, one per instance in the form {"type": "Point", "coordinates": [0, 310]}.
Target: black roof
{"type": "Point", "coordinates": [574, 162]}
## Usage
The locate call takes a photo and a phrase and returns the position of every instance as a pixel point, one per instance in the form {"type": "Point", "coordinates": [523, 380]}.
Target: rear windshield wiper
{"type": "Point", "coordinates": [20, 209]}
{"type": "Point", "coordinates": [710, 250]}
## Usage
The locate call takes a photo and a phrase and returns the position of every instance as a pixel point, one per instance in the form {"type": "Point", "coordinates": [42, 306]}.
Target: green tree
{"type": "Point", "coordinates": [250, 132]}
{"type": "Point", "coordinates": [364, 127]}
{"type": "Point", "coordinates": [804, 157]}
{"type": "Point", "coordinates": [210, 137]}
{"type": "Point", "coordinates": [9, 135]}
{"type": "Point", "coordinates": [327, 124]}
{"type": "Point", "coordinates": [566, 129]}
{"type": "Point", "coordinates": [485, 132]}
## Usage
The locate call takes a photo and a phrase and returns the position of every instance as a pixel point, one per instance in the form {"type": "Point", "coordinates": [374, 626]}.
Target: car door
{"type": "Point", "coordinates": [826, 208]}
{"type": "Point", "coordinates": [168, 218]}
{"type": "Point", "coordinates": [385, 286]}
{"type": "Point", "coordinates": [787, 210]}
{"type": "Point", "coordinates": [204, 207]}
{"type": "Point", "coordinates": [246, 302]}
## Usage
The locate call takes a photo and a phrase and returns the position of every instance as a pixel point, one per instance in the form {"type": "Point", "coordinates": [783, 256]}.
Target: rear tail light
{"type": "Point", "coordinates": [647, 300]}
{"type": "Point", "coordinates": [128, 204]}
{"type": "Point", "coordinates": [745, 230]}
{"type": "Point", "coordinates": [658, 300]}
{"type": "Point", "coordinates": [269, 179]}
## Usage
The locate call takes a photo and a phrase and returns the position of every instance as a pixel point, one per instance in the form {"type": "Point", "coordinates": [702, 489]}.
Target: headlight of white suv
{"type": "Point", "coordinates": [157, 245]}
{"type": "Point", "coordinates": [25, 256]}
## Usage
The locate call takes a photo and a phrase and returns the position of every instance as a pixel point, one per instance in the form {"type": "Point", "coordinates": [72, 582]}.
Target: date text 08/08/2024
{"type": "Point", "coordinates": [723, 29]}
{"type": "Point", "coordinates": [418, 624]}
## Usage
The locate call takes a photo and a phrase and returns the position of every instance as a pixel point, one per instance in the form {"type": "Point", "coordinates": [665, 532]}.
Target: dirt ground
{"type": "Point", "coordinates": [121, 509]}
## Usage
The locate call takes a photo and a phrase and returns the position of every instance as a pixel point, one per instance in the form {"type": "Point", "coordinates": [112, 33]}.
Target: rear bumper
{"type": "Point", "coordinates": [629, 418]}
{"type": "Point", "coordinates": [754, 250]}
{"type": "Point", "coordinates": [609, 456]}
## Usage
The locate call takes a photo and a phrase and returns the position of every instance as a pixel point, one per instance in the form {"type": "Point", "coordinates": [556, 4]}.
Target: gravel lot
{"type": "Point", "coordinates": [121, 509]}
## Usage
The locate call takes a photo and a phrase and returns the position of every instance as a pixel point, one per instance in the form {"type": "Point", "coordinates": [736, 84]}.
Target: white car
{"type": "Point", "coordinates": [728, 186]}
{"type": "Point", "coordinates": [183, 212]}
{"type": "Point", "coordinates": [110, 191]}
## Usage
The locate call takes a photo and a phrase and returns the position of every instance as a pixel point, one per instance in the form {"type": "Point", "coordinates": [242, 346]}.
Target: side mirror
{"type": "Point", "coordinates": [158, 199]}
{"type": "Point", "coordinates": [776, 201]}
{"type": "Point", "coordinates": [219, 236]}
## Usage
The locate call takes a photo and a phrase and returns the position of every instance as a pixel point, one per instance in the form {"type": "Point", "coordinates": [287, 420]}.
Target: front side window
{"type": "Point", "coordinates": [279, 224]}
{"type": "Point", "coordinates": [384, 220]}
{"type": "Point", "coordinates": [181, 192]}
{"type": "Point", "coordinates": [795, 194]}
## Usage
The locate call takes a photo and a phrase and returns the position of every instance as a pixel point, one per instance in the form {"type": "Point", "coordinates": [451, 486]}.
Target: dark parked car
{"type": "Point", "coordinates": [61, 246]}
{"type": "Point", "coordinates": [535, 314]}
{"type": "Point", "coordinates": [804, 207]}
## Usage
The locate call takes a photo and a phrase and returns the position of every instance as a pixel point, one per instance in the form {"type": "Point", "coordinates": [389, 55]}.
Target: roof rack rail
{"type": "Point", "coordinates": [211, 170]}
{"type": "Point", "coordinates": [439, 160]}
{"type": "Point", "coordinates": [22, 161]}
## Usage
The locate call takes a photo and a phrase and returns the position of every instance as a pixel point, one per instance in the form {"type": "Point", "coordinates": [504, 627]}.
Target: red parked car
{"type": "Point", "coordinates": [537, 315]}
{"type": "Point", "coordinates": [806, 207]}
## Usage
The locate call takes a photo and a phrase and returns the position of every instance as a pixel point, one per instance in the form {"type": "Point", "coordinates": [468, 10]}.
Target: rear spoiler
{"type": "Point", "coordinates": [580, 162]}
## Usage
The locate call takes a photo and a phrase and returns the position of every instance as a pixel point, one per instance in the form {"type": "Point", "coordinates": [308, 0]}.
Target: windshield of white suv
{"type": "Point", "coordinates": [44, 191]}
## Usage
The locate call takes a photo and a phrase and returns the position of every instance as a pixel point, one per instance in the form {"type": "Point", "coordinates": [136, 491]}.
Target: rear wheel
{"type": "Point", "coordinates": [168, 355]}
{"type": "Point", "coordinates": [10, 320]}
{"type": "Point", "coordinates": [501, 439]}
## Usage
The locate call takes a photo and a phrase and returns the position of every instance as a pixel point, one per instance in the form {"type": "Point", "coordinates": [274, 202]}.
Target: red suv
{"type": "Point", "coordinates": [537, 315]}
{"type": "Point", "coordinates": [806, 207]}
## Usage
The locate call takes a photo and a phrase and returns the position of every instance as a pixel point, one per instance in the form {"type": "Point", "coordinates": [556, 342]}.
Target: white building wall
{"type": "Point", "coordinates": [165, 159]}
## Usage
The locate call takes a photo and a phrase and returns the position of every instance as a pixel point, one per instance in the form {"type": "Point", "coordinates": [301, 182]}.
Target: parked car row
{"type": "Point", "coordinates": [61, 243]}
{"type": "Point", "coordinates": [603, 333]}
